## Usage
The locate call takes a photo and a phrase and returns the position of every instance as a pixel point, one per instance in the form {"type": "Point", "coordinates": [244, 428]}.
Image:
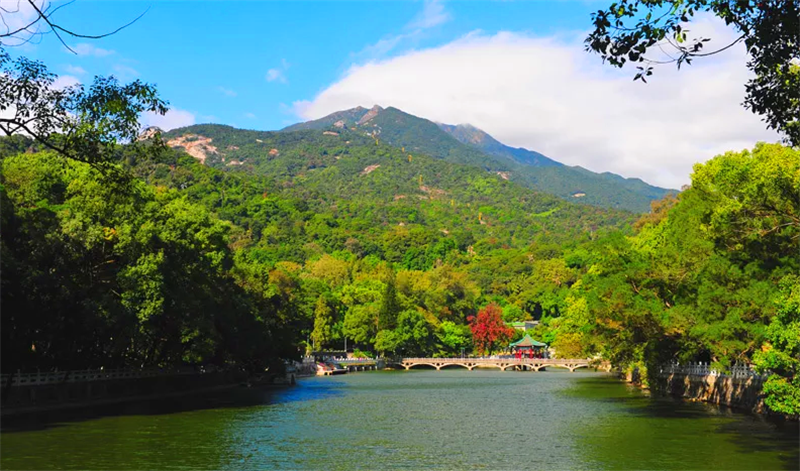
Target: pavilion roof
{"type": "Point", "coordinates": [527, 341]}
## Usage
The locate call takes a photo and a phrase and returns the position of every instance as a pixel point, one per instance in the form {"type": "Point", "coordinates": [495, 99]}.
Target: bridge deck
{"type": "Point", "coordinates": [534, 364]}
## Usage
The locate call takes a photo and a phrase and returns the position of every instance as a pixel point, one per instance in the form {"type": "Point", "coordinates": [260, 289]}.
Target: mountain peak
{"type": "Point", "coordinates": [466, 144]}
{"type": "Point", "coordinates": [370, 114]}
{"type": "Point", "coordinates": [469, 134]}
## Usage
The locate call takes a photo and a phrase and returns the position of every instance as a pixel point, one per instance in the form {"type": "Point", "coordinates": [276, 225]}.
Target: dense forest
{"type": "Point", "coordinates": [243, 249]}
{"type": "Point", "coordinates": [305, 248]}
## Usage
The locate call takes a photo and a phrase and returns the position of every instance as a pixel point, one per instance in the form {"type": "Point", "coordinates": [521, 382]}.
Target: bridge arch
{"type": "Point", "coordinates": [412, 365]}
{"type": "Point", "coordinates": [502, 364]}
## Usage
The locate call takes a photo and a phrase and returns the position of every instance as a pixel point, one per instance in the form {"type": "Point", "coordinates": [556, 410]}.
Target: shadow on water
{"type": "Point", "coordinates": [750, 433]}
{"type": "Point", "coordinates": [756, 434]}
{"type": "Point", "coordinates": [636, 401]}
{"type": "Point", "coordinates": [239, 397]}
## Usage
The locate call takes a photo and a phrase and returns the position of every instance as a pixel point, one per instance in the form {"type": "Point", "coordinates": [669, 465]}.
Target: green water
{"type": "Point", "coordinates": [453, 419]}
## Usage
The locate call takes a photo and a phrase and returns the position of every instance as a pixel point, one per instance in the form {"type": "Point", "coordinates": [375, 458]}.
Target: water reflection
{"type": "Point", "coordinates": [416, 420]}
{"type": "Point", "coordinates": [666, 433]}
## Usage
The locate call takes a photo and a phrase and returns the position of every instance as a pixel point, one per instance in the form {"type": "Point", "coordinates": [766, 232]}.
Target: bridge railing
{"type": "Point", "coordinates": [75, 376]}
{"type": "Point", "coordinates": [705, 369]}
{"type": "Point", "coordinates": [551, 361]}
{"type": "Point", "coordinates": [356, 361]}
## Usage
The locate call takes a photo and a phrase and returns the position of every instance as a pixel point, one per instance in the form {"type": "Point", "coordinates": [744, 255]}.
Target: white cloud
{"type": "Point", "coordinates": [275, 74]}
{"type": "Point", "coordinates": [548, 95]}
{"type": "Point", "coordinates": [175, 118]}
{"type": "Point", "coordinates": [250, 115]}
{"type": "Point", "coordinates": [75, 69]}
{"type": "Point", "coordinates": [278, 73]}
{"type": "Point", "coordinates": [64, 81]}
{"type": "Point", "coordinates": [85, 49]}
{"type": "Point", "coordinates": [125, 72]}
{"type": "Point", "coordinates": [382, 47]}
{"type": "Point", "coordinates": [433, 14]}
{"type": "Point", "coordinates": [227, 91]}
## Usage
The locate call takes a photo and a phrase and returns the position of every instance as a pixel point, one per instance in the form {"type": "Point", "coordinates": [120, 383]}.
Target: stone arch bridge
{"type": "Point", "coordinates": [522, 364]}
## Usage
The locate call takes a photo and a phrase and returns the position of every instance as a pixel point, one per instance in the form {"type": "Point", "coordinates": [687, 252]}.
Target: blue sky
{"type": "Point", "coordinates": [212, 58]}
{"type": "Point", "coordinates": [516, 69]}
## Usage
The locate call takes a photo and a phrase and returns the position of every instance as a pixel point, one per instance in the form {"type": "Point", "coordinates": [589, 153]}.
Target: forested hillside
{"type": "Point", "coordinates": [466, 144]}
{"type": "Point", "coordinates": [571, 183]}
{"type": "Point", "coordinates": [316, 164]}
{"type": "Point", "coordinates": [709, 276]}
{"type": "Point", "coordinates": [473, 136]}
{"type": "Point", "coordinates": [194, 264]}
{"type": "Point", "coordinates": [191, 263]}
{"type": "Point", "coordinates": [397, 236]}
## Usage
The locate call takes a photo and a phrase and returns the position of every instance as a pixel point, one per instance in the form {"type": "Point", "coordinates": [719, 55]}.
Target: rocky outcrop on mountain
{"type": "Point", "coordinates": [149, 133]}
{"type": "Point", "coordinates": [195, 145]}
{"type": "Point", "coordinates": [369, 169]}
{"type": "Point", "coordinates": [373, 112]}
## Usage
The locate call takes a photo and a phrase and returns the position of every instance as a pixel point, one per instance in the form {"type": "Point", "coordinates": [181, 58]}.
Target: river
{"type": "Point", "coordinates": [451, 419]}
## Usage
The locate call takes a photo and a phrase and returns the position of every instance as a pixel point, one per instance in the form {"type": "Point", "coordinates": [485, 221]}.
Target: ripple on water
{"type": "Point", "coordinates": [452, 419]}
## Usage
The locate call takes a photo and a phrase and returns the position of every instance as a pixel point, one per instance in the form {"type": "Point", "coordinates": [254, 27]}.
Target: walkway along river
{"type": "Point", "coordinates": [417, 419]}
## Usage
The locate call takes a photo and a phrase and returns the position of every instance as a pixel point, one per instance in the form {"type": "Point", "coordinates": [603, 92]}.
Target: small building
{"type": "Point", "coordinates": [523, 325]}
{"type": "Point", "coordinates": [528, 347]}
{"type": "Point", "coordinates": [328, 355]}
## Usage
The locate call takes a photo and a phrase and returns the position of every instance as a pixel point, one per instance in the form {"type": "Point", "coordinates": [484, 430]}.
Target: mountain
{"type": "Point", "coordinates": [370, 188]}
{"type": "Point", "coordinates": [409, 132]}
{"type": "Point", "coordinates": [465, 144]}
{"type": "Point", "coordinates": [473, 136]}
{"type": "Point", "coordinates": [563, 181]}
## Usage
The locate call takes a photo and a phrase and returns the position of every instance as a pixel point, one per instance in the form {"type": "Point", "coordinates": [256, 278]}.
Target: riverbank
{"type": "Point", "coordinates": [737, 393]}
{"type": "Point", "coordinates": [52, 391]}
{"type": "Point", "coordinates": [19, 398]}
{"type": "Point", "coordinates": [741, 390]}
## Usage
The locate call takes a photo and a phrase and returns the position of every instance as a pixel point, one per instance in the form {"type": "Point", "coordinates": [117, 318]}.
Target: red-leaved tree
{"type": "Point", "coordinates": [488, 329]}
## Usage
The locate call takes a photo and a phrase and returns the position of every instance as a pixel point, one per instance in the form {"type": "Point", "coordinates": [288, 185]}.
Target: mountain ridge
{"type": "Point", "coordinates": [467, 144]}
{"type": "Point", "coordinates": [349, 171]}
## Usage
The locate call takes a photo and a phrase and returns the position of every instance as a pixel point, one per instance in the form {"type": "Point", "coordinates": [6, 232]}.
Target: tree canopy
{"type": "Point", "coordinates": [298, 239]}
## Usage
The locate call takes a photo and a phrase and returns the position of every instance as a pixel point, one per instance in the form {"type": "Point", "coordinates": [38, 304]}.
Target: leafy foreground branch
{"type": "Point", "coordinates": [80, 124]}
{"type": "Point", "coordinates": [655, 32]}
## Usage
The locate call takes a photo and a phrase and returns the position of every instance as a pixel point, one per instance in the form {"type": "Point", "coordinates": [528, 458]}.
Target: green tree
{"type": "Point", "coordinates": [755, 198]}
{"type": "Point", "coordinates": [121, 278]}
{"type": "Point", "coordinates": [454, 338]}
{"type": "Point", "coordinates": [390, 306]}
{"type": "Point", "coordinates": [83, 125]}
{"type": "Point", "coordinates": [513, 313]}
{"type": "Point", "coordinates": [415, 334]}
{"type": "Point", "coordinates": [359, 323]}
{"type": "Point", "coordinates": [781, 353]}
{"type": "Point", "coordinates": [323, 323]}
{"type": "Point", "coordinates": [387, 341]}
